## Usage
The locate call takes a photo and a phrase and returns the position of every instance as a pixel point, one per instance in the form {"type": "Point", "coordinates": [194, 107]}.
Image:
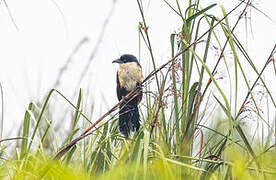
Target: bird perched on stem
{"type": "Point", "coordinates": [129, 76]}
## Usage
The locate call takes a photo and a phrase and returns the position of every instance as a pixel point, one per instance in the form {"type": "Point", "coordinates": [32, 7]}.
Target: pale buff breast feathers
{"type": "Point", "coordinates": [129, 74]}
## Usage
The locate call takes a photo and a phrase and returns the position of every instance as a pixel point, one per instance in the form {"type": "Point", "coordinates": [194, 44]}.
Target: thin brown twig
{"type": "Point", "coordinates": [254, 84]}
{"type": "Point", "coordinates": [129, 96]}
{"type": "Point", "coordinates": [197, 105]}
{"type": "Point", "coordinates": [201, 145]}
{"type": "Point", "coordinates": [188, 47]}
{"type": "Point", "coordinates": [132, 93]}
{"type": "Point", "coordinates": [220, 56]}
{"type": "Point", "coordinates": [223, 49]}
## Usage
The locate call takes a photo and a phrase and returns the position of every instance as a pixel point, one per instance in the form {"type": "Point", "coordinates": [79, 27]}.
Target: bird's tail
{"type": "Point", "coordinates": [129, 119]}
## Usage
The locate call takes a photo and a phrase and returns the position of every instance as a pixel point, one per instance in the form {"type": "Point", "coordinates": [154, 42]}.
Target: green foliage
{"type": "Point", "coordinates": [183, 135]}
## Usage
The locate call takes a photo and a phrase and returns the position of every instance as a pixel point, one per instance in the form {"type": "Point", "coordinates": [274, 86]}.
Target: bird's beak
{"type": "Point", "coordinates": [119, 61]}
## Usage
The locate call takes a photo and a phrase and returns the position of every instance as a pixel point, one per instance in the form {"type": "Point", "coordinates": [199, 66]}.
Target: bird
{"type": "Point", "coordinates": [129, 77]}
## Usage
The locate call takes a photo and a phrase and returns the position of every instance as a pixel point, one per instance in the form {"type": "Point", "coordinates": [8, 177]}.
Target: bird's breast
{"type": "Point", "coordinates": [129, 74]}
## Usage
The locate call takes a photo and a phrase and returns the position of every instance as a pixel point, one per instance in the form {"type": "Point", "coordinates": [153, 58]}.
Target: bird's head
{"type": "Point", "coordinates": [126, 58]}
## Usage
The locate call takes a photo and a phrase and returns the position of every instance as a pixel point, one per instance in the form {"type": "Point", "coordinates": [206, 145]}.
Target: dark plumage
{"type": "Point", "coordinates": [129, 76]}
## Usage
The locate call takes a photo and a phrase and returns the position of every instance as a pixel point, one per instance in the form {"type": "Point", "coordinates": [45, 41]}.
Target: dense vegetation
{"type": "Point", "coordinates": [192, 116]}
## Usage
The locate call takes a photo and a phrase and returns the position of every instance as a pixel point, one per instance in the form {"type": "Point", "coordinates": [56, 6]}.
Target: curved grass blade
{"type": "Point", "coordinates": [200, 12]}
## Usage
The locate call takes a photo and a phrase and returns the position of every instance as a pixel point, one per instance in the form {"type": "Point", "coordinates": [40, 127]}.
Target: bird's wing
{"type": "Point", "coordinates": [119, 96]}
{"type": "Point", "coordinates": [140, 93]}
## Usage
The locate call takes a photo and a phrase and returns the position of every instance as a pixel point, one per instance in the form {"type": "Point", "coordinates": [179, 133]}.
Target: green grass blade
{"type": "Point", "coordinates": [200, 12]}
{"type": "Point", "coordinates": [26, 127]}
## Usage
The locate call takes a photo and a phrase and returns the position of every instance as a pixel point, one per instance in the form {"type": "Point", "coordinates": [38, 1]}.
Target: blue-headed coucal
{"type": "Point", "coordinates": [129, 76]}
